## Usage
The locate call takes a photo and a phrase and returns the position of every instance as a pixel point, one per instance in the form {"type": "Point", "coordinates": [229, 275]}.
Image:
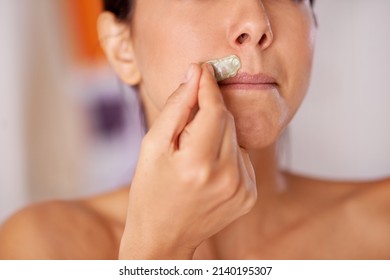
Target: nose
{"type": "Point", "coordinates": [250, 25]}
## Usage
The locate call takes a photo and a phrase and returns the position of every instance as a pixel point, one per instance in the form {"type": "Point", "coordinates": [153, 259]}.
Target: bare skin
{"type": "Point", "coordinates": [311, 219]}
{"type": "Point", "coordinates": [207, 185]}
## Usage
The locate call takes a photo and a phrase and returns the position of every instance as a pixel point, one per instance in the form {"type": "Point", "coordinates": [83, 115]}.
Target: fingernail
{"type": "Point", "coordinates": [211, 69]}
{"type": "Point", "coordinates": [190, 73]}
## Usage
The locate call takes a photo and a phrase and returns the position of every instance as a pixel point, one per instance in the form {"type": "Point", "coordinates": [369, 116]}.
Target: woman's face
{"type": "Point", "coordinates": [271, 37]}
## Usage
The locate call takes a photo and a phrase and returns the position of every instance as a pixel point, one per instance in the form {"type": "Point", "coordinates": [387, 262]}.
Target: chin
{"type": "Point", "coordinates": [259, 132]}
{"type": "Point", "coordinates": [251, 140]}
{"type": "Point", "coordinates": [260, 118]}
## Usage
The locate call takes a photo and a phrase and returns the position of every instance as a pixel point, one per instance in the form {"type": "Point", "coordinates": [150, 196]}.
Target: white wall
{"type": "Point", "coordinates": [343, 128]}
{"type": "Point", "coordinates": [12, 161]}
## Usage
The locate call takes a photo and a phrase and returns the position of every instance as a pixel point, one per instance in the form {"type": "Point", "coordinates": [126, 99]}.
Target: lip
{"type": "Point", "coordinates": [250, 81]}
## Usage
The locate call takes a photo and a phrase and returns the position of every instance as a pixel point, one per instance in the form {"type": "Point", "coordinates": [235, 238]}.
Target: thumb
{"type": "Point", "coordinates": [177, 110]}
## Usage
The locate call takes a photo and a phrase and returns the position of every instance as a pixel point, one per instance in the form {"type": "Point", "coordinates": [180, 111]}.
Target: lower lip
{"type": "Point", "coordinates": [249, 86]}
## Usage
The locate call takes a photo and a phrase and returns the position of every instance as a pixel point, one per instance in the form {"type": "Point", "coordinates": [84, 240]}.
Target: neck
{"type": "Point", "coordinates": [243, 235]}
{"type": "Point", "coordinates": [284, 202]}
{"type": "Point", "coordinates": [269, 179]}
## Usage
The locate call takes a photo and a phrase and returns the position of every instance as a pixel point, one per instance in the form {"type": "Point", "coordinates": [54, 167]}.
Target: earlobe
{"type": "Point", "coordinates": [115, 39]}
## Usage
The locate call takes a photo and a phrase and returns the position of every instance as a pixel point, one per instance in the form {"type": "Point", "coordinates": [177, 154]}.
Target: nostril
{"type": "Point", "coordinates": [242, 38]}
{"type": "Point", "coordinates": [263, 40]}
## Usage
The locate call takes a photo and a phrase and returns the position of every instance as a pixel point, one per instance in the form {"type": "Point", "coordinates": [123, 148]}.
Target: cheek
{"type": "Point", "coordinates": [297, 53]}
{"type": "Point", "coordinates": [159, 71]}
{"type": "Point", "coordinates": [165, 50]}
{"type": "Point", "coordinates": [164, 53]}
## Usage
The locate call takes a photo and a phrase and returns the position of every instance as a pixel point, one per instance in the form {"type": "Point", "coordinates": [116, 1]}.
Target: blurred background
{"type": "Point", "coordinates": [69, 128]}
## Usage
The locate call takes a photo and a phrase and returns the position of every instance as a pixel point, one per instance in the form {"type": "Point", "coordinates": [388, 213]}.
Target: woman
{"type": "Point", "coordinates": [207, 184]}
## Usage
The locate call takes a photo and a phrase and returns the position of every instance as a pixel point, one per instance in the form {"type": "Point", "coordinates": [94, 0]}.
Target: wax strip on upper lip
{"type": "Point", "coordinates": [225, 67]}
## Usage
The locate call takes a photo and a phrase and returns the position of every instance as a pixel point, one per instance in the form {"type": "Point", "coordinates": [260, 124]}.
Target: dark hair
{"type": "Point", "coordinates": [122, 8]}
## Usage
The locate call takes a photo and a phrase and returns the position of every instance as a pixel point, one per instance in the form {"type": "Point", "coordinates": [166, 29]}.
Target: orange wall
{"type": "Point", "coordinates": [82, 15]}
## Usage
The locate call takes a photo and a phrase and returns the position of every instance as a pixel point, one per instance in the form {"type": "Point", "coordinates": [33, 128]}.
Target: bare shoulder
{"type": "Point", "coordinates": [356, 225]}
{"type": "Point", "coordinates": [58, 230]}
{"type": "Point", "coordinates": [374, 200]}
{"type": "Point", "coordinates": [370, 209]}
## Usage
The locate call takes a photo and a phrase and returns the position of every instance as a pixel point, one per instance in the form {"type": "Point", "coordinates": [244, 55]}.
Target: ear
{"type": "Point", "coordinates": [115, 39]}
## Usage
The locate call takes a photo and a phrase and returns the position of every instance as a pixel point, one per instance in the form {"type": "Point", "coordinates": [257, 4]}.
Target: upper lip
{"type": "Point", "coordinates": [247, 78]}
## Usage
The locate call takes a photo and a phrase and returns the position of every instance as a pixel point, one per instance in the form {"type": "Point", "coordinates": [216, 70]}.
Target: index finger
{"type": "Point", "coordinates": [206, 131]}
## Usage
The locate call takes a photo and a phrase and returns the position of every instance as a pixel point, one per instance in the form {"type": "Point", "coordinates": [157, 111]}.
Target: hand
{"type": "Point", "coordinates": [192, 178]}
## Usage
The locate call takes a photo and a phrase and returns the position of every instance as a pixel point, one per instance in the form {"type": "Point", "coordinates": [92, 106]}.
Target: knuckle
{"type": "Point", "coordinates": [203, 175]}
{"type": "Point", "coordinates": [196, 174]}
{"type": "Point", "coordinates": [232, 178]}
{"type": "Point", "coordinates": [151, 146]}
{"type": "Point", "coordinates": [230, 184]}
